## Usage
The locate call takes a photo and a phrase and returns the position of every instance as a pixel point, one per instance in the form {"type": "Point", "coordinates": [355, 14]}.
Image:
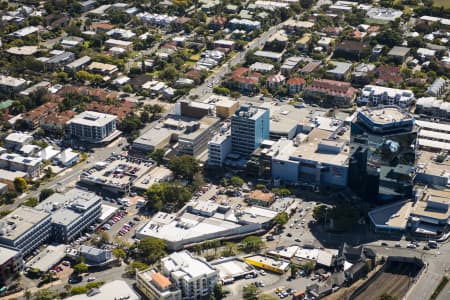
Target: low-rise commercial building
{"type": "Point", "coordinates": [225, 108]}
{"type": "Point", "coordinates": [95, 256]}
{"type": "Point", "coordinates": [196, 134]}
{"type": "Point", "coordinates": [432, 208]}
{"type": "Point", "coordinates": [202, 221]}
{"type": "Point", "coordinates": [268, 263]}
{"type": "Point", "coordinates": [25, 229]}
{"type": "Point", "coordinates": [117, 289]}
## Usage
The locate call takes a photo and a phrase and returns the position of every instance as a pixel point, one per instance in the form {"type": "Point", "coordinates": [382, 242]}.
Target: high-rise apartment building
{"type": "Point", "coordinates": [249, 127]}
{"type": "Point", "coordinates": [382, 154]}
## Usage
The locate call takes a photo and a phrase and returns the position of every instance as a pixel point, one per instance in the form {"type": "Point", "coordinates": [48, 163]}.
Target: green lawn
{"type": "Point", "coordinates": [444, 3]}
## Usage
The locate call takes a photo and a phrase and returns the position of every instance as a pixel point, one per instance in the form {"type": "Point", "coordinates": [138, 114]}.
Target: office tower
{"type": "Point", "coordinates": [382, 154]}
{"type": "Point", "coordinates": [249, 127]}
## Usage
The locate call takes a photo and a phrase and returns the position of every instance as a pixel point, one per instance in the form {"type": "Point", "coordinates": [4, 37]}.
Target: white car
{"type": "Point", "coordinates": [91, 279]}
{"type": "Point", "coordinates": [263, 273]}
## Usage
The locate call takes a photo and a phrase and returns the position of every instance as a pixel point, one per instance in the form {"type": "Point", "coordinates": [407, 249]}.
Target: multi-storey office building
{"type": "Point", "coordinates": [71, 212]}
{"type": "Point", "coordinates": [382, 153]}
{"type": "Point", "coordinates": [249, 127]}
{"type": "Point", "coordinates": [25, 229]}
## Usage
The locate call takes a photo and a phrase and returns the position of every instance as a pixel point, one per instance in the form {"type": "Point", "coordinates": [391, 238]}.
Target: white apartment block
{"type": "Point", "coordinates": [380, 95]}
{"type": "Point", "coordinates": [155, 285]}
{"type": "Point", "coordinates": [195, 277]}
{"type": "Point", "coordinates": [93, 127]}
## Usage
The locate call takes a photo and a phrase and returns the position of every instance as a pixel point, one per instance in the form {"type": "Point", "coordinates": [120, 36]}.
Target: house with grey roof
{"type": "Point", "coordinates": [437, 88]}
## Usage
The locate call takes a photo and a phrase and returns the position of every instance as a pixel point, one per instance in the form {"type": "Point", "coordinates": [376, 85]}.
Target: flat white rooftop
{"type": "Point", "coordinates": [92, 118]}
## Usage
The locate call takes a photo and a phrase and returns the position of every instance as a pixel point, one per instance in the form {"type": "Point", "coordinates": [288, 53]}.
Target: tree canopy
{"type": "Point", "coordinates": [164, 193]}
{"type": "Point", "coordinates": [20, 184]}
{"type": "Point", "coordinates": [184, 166]}
{"type": "Point", "coordinates": [252, 244]}
{"type": "Point", "coordinates": [281, 219]}
{"type": "Point", "coordinates": [152, 249]}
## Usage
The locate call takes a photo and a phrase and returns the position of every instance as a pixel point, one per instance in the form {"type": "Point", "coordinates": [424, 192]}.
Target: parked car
{"type": "Point", "coordinates": [91, 279]}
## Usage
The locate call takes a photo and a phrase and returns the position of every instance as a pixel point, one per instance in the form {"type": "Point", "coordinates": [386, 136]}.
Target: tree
{"type": "Point", "coordinates": [20, 184]}
{"type": "Point", "coordinates": [170, 73]}
{"type": "Point", "coordinates": [319, 213]}
{"type": "Point", "coordinates": [136, 265]}
{"type": "Point", "coordinates": [281, 219]}
{"type": "Point", "coordinates": [184, 166]}
{"type": "Point", "coordinates": [231, 249]}
{"type": "Point", "coordinates": [45, 193]}
{"type": "Point", "coordinates": [157, 156]}
{"type": "Point", "coordinates": [252, 243]}
{"type": "Point", "coordinates": [80, 268]}
{"type": "Point", "coordinates": [294, 270]}
{"type": "Point", "coordinates": [104, 238]}
{"type": "Point", "coordinates": [236, 181]}
{"type": "Point", "coordinates": [260, 186]}
{"type": "Point", "coordinates": [250, 292]}
{"type": "Point", "coordinates": [31, 202]}
{"type": "Point", "coordinates": [221, 90]}
{"type": "Point", "coordinates": [164, 193]}
{"type": "Point", "coordinates": [44, 294]}
{"type": "Point", "coordinates": [119, 253]}
{"type": "Point", "coordinates": [152, 249]}
{"type": "Point", "coordinates": [78, 290]}
{"type": "Point", "coordinates": [386, 296]}
{"type": "Point", "coordinates": [218, 292]}
{"type": "Point", "coordinates": [308, 267]}
{"type": "Point", "coordinates": [27, 294]}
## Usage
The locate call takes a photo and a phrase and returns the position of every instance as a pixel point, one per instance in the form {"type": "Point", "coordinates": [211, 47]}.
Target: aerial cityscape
{"type": "Point", "coordinates": [225, 149]}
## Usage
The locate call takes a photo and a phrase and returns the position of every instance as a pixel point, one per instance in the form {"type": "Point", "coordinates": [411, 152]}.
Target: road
{"type": "Point", "coordinates": [438, 264]}
{"type": "Point", "coordinates": [70, 176]}
{"type": "Point", "coordinates": [203, 91]}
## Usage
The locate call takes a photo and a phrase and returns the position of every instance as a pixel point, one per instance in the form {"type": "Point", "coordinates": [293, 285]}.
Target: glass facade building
{"type": "Point", "coordinates": [382, 154]}
{"type": "Point", "coordinates": [249, 127]}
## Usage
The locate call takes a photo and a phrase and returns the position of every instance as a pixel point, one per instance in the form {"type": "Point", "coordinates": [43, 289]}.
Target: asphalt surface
{"type": "Point", "coordinates": [70, 176]}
